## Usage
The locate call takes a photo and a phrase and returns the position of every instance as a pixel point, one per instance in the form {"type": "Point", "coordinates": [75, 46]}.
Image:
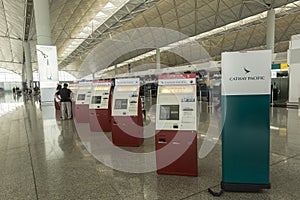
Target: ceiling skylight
{"type": "Point", "coordinates": [215, 31]}
{"type": "Point", "coordinates": [100, 14]}
{"type": "Point", "coordinates": [109, 5]}
{"type": "Point", "coordinates": [83, 35]}
{"type": "Point", "coordinates": [87, 29]}
{"type": "Point", "coordinates": [110, 8]}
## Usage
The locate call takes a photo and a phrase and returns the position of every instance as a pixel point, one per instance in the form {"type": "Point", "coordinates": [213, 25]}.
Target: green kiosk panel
{"type": "Point", "coordinates": [246, 83]}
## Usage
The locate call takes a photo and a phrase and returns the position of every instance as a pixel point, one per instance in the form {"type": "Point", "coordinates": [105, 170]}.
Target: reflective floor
{"type": "Point", "coordinates": [43, 157]}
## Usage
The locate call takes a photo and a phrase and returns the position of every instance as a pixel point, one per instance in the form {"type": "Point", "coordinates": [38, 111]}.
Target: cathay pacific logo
{"type": "Point", "coordinates": [246, 70]}
{"type": "Point", "coordinates": [247, 78]}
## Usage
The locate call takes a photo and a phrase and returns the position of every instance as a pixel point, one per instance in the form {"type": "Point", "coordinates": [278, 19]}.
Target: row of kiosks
{"type": "Point", "coordinates": [73, 86]}
{"type": "Point", "coordinates": [127, 120]}
{"type": "Point", "coordinates": [100, 106]}
{"type": "Point", "coordinates": [176, 125]}
{"type": "Point", "coordinates": [82, 101]}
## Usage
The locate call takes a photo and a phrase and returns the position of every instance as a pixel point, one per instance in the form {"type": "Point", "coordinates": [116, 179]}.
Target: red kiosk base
{"type": "Point", "coordinates": [100, 120]}
{"type": "Point", "coordinates": [176, 152]}
{"type": "Point", "coordinates": [82, 113]}
{"type": "Point", "coordinates": [127, 131]}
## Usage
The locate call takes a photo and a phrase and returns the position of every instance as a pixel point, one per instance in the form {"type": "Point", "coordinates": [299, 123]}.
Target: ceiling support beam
{"type": "Point", "coordinates": [103, 30]}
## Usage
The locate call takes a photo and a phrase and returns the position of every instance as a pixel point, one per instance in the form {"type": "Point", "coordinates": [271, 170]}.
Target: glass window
{"type": "Point", "coordinates": [9, 76]}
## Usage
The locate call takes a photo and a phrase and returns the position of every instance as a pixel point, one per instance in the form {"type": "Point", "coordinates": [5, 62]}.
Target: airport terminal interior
{"type": "Point", "coordinates": [149, 99]}
{"type": "Point", "coordinates": [45, 159]}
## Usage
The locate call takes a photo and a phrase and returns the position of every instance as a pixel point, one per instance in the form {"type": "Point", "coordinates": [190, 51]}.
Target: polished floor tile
{"type": "Point", "coordinates": [44, 157]}
{"type": "Point", "coordinates": [19, 185]}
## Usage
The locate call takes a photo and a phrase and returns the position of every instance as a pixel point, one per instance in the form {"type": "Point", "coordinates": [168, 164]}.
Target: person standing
{"type": "Point", "coordinates": [57, 97]}
{"type": "Point", "coordinates": [64, 95]}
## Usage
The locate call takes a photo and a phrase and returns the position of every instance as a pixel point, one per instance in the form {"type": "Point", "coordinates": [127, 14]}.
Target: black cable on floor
{"type": "Point", "coordinates": [215, 194]}
{"type": "Point", "coordinates": [194, 194]}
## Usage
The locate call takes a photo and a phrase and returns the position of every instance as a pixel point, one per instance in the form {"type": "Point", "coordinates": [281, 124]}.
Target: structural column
{"type": "Point", "coordinates": [271, 29]}
{"type": "Point", "coordinates": [42, 21]}
{"type": "Point", "coordinates": [157, 58]}
{"type": "Point", "coordinates": [47, 60]}
{"type": "Point", "coordinates": [23, 74]}
{"type": "Point", "coordinates": [294, 71]}
{"type": "Point", "coordinates": [28, 66]}
{"type": "Point", "coordinates": [116, 70]}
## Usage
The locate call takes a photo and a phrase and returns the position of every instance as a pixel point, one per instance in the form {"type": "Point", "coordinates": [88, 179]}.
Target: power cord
{"type": "Point", "coordinates": [215, 194]}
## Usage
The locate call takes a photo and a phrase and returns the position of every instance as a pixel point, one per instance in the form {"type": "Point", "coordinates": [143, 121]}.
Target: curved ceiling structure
{"type": "Point", "coordinates": [78, 26]}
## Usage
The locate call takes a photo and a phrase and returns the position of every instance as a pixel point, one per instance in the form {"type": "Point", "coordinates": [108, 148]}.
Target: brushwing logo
{"type": "Point", "coordinates": [247, 77]}
{"type": "Point", "coordinates": [246, 70]}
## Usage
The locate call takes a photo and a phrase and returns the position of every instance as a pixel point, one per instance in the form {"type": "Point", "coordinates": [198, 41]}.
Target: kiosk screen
{"type": "Point", "coordinates": [121, 103]}
{"type": "Point", "coordinates": [169, 112]}
{"type": "Point", "coordinates": [176, 89]}
{"type": "Point", "coordinates": [96, 99]}
{"type": "Point", "coordinates": [81, 97]}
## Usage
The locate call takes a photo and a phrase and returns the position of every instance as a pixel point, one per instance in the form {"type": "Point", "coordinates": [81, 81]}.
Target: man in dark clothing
{"type": "Point", "coordinates": [64, 95]}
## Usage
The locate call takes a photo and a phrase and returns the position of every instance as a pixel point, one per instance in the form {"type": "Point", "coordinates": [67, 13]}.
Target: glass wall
{"type": "Point", "coordinates": [10, 79]}
{"type": "Point", "coordinates": [9, 76]}
{"type": "Point", "coordinates": [62, 76]}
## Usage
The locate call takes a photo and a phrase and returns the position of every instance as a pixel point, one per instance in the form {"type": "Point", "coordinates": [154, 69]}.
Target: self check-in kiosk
{"type": "Point", "coordinates": [100, 106]}
{"type": "Point", "coordinates": [82, 101]}
{"type": "Point", "coordinates": [176, 125]}
{"type": "Point", "coordinates": [127, 120]}
{"type": "Point", "coordinates": [73, 86]}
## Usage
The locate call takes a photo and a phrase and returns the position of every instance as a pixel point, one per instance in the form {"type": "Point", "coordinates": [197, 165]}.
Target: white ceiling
{"type": "Point", "coordinates": [11, 34]}
{"type": "Point", "coordinates": [190, 17]}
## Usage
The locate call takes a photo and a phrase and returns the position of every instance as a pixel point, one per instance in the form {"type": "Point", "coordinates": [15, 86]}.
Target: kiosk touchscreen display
{"type": "Point", "coordinates": [96, 99]}
{"type": "Point", "coordinates": [169, 112]}
{"type": "Point", "coordinates": [121, 104]}
{"type": "Point", "coordinates": [81, 97]}
{"type": "Point", "coordinates": [176, 89]}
